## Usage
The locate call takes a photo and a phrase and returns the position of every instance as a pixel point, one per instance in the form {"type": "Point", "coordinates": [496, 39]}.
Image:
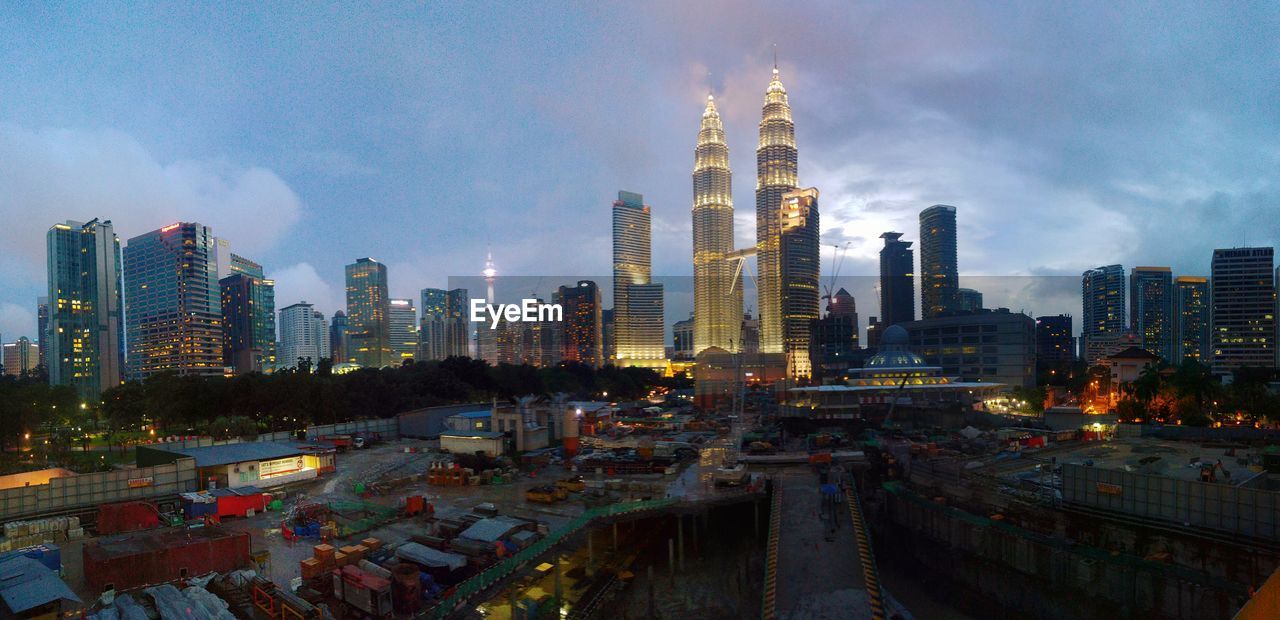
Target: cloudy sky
{"type": "Point", "coordinates": [1068, 135]}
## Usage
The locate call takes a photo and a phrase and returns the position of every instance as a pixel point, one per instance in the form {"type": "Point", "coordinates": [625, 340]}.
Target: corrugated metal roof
{"type": "Point", "coordinates": [210, 456]}
{"type": "Point", "coordinates": [491, 529]}
{"type": "Point", "coordinates": [26, 584]}
{"type": "Point", "coordinates": [426, 556]}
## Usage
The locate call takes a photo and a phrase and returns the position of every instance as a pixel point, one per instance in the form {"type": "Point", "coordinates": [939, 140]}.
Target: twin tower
{"type": "Point", "coordinates": [787, 242]}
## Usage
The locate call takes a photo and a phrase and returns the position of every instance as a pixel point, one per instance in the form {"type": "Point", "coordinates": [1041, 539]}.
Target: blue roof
{"type": "Point", "coordinates": [26, 584]}
{"type": "Point", "coordinates": [473, 415]}
{"type": "Point", "coordinates": [210, 456]}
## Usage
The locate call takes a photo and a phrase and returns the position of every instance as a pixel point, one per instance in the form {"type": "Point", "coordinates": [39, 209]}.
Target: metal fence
{"type": "Point", "coordinates": [1246, 511]}
{"type": "Point", "coordinates": [86, 490]}
{"type": "Point", "coordinates": [505, 568]}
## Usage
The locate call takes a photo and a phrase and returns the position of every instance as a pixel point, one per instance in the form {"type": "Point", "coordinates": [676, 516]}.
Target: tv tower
{"type": "Point", "coordinates": [490, 274]}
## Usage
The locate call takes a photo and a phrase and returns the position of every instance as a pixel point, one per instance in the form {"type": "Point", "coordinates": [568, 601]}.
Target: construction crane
{"type": "Point", "coordinates": [838, 254]}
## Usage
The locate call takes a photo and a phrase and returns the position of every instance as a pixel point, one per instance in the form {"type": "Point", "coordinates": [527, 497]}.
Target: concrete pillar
{"type": "Point", "coordinates": [680, 539]}
{"type": "Point", "coordinates": [615, 536]}
{"type": "Point", "coordinates": [591, 554]}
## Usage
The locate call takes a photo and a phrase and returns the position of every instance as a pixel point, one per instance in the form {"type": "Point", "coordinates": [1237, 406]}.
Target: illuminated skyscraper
{"type": "Point", "coordinates": [775, 176]}
{"type": "Point", "coordinates": [1243, 295]}
{"type": "Point", "coordinates": [1102, 290]}
{"type": "Point", "coordinates": [1191, 316]}
{"type": "Point", "coordinates": [248, 316]}
{"type": "Point", "coordinates": [798, 254]}
{"type": "Point", "coordinates": [42, 326]}
{"type": "Point", "coordinates": [717, 291]}
{"type": "Point", "coordinates": [368, 314]}
{"type": "Point", "coordinates": [20, 357]}
{"type": "Point", "coordinates": [403, 321]}
{"type": "Point", "coordinates": [431, 328]}
{"type": "Point", "coordinates": [583, 339]}
{"type": "Point", "coordinates": [1151, 309]}
{"type": "Point", "coordinates": [80, 332]}
{"type": "Point", "coordinates": [172, 302]}
{"type": "Point", "coordinates": [939, 275]}
{"type": "Point", "coordinates": [304, 335]}
{"type": "Point", "coordinates": [457, 335]}
{"type": "Point", "coordinates": [637, 301]}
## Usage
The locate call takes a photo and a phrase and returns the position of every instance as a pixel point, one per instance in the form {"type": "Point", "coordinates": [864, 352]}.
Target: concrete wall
{"type": "Point", "coordinates": [87, 490]}
{"type": "Point", "coordinates": [1245, 511]}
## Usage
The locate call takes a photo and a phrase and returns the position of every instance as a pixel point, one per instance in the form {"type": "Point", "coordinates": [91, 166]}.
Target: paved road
{"type": "Point", "coordinates": [819, 574]}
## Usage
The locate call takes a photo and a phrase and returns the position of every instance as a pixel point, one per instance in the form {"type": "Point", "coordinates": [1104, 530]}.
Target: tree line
{"type": "Point", "coordinates": [291, 399]}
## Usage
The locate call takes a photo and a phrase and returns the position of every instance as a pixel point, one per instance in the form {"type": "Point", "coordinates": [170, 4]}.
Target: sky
{"type": "Point", "coordinates": [1068, 135]}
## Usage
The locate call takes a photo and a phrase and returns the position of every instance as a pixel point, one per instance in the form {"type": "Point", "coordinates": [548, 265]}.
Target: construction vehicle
{"type": "Point", "coordinates": [575, 484]}
{"type": "Point", "coordinates": [731, 476]}
{"type": "Point", "coordinates": [761, 447]}
{"type": "Point", "coordinates": [548, 494]}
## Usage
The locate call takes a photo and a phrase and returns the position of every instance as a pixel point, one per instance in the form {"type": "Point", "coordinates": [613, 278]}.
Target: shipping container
{"type": "Point", "coordinates": [368, 593]}
{"type": "Point", "coordinates": [130, 561]}
{"type": "Point", "coordinates": [239, 501]}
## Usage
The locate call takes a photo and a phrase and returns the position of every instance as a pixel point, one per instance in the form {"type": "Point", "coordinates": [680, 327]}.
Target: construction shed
{"type": "Point", "coordinates": [29, 589]}
{"type": "Point", "coordinates": [132, 560]}
{"type": "Point", "coordinates": [260, 463]}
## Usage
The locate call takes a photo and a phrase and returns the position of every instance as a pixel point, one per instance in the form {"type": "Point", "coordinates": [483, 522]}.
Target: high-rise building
{"type": "Point", "coordinates": [1054, 344]}
{"type": "Point", "coordinates": [968, 301]}
{"type": "Point", "coordinates": [583, 340]}
{"type": "Point", "coordinates": [939, 274]}
{"type": "Point", "coordinates": [799, 267]}
{"type": "Point", "coordinates": [1151, 309]}
{"type": "Point", "coordinates": [609, 333]}
{"type": "Point", "coordinates": [776, 174]}
{"type": "Point", "coordinates": [172, 302]}
{"type": "Point", "coordinates": [1102, 319]}
{"type": "Point", "coordinates": [431, 328]}
{"type": "Point", "coordinates": [457, 334]}
{"type": "Point", "coordinates": [248, 317]}
{"type": "Point", "coordinates": [639, 328]}
{"type": "Point", "coordinates": [835, 336]}
{"type": "Point", "coordinates": [368, 314]}
{"type": "Point", "coordinates": [717, 289]}
{"type": "Point", "coordinates": [81, 339]}
{"type": "Point", "coordinates": [897, 286]}
{"type": "Point", "coordinates": [42, 327]}
{"type": "Point", "coordinates": [304, 336]}
{"type": "Point", "coordinates": [338, 337]}
{"type": "Point", "coordinates": [1191, 318]}
{"type": "Point", "coordinates": [991, 346]}
{"type": "Point", "coordinates": [1243, 297]}
{"type": "Point", "coordinates": [404, 330]}
{"type": "Point", "coordinates": [682, 339]}
{"type": "Point", "coordinates": [19, 357]}
{"type": "Point", "coordinates": [750, 334]}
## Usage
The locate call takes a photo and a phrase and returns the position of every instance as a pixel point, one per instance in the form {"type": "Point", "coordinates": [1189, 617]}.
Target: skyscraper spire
{"type": "Point", "coordinates": [717, 303]}
{"type": "Point", "coordinates": [776, 157]}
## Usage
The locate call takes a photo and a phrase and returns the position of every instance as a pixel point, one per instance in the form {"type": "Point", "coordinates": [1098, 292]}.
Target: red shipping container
{"type": "Point", "coordinates": [135, 560]}
{"type": "Point", "coordinates": [127, 517]}
{"type": "Point", "coordinates": [232, 505]}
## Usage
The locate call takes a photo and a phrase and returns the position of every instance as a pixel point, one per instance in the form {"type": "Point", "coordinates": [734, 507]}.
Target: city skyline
{"type": "Point", "coordinates": [311, 185]}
